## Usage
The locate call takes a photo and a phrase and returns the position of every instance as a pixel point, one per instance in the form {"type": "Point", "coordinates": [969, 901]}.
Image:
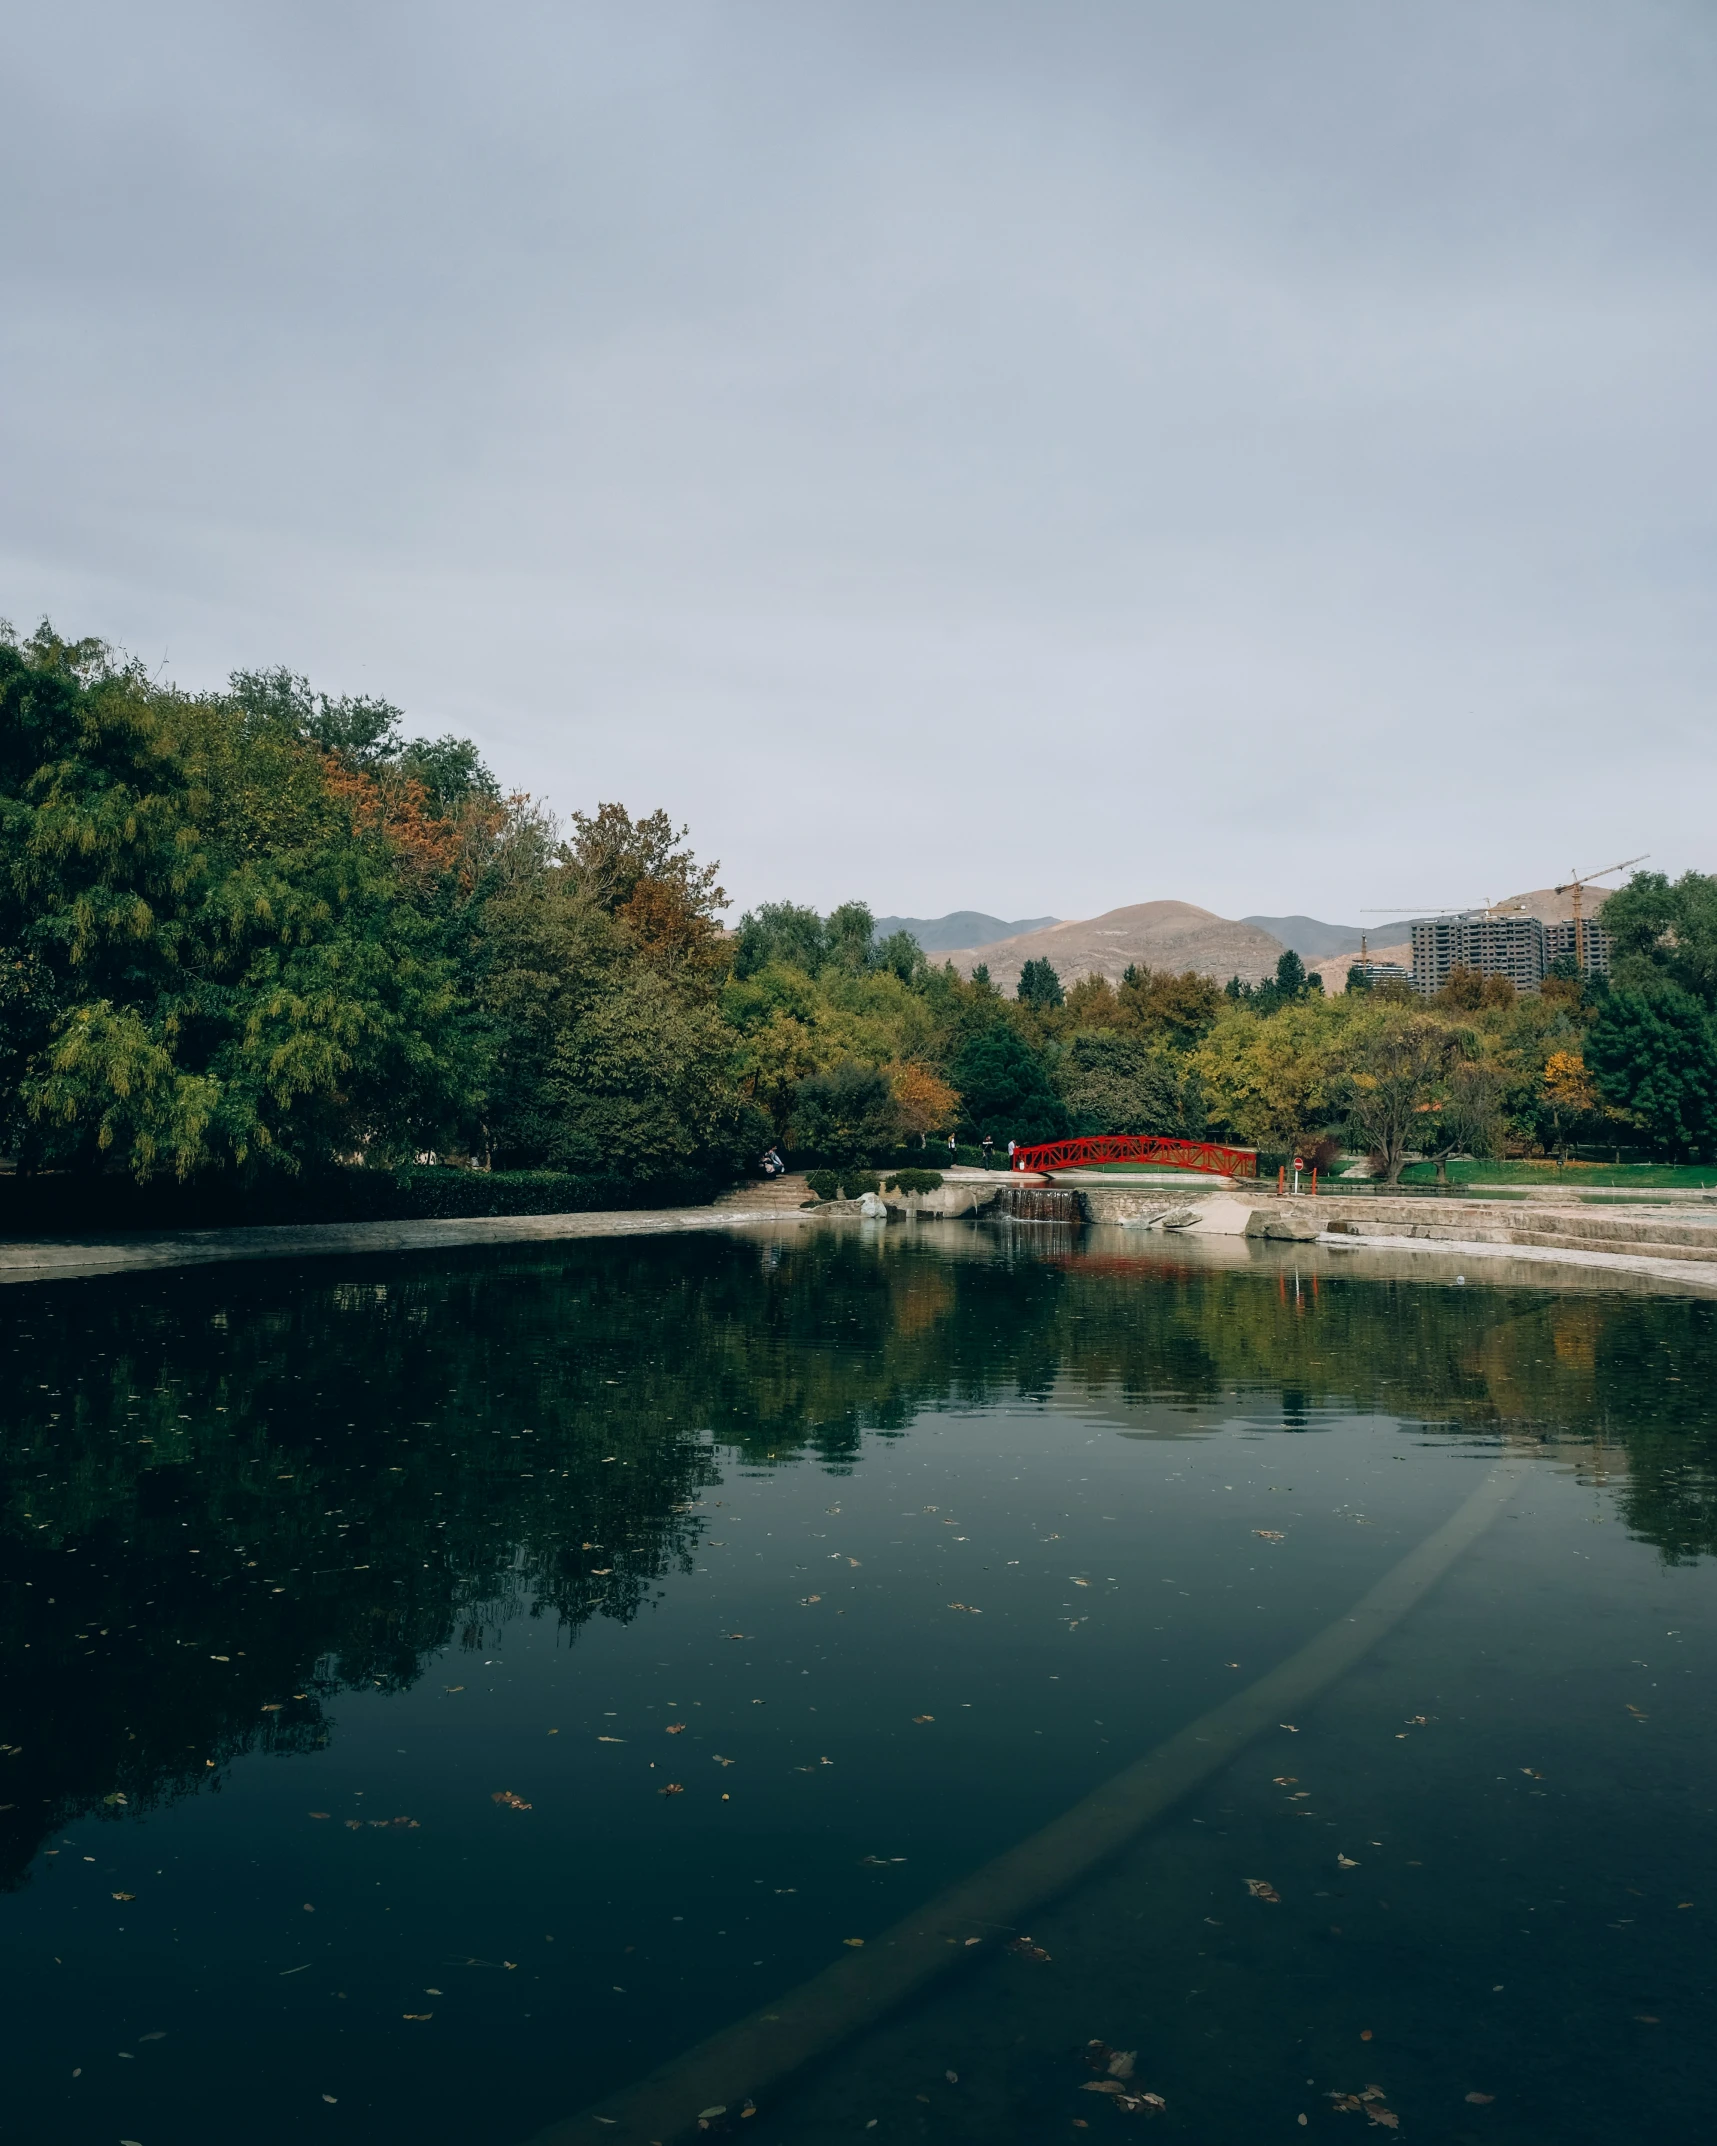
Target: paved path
{"type": "Point", "coordinates": [67, 1258]}
{"type": "Point", "coordinates": [44, 1260]}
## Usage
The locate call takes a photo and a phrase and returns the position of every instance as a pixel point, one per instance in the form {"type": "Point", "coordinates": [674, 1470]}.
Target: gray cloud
{"type": "Point", "coordinates": [1026, 456]}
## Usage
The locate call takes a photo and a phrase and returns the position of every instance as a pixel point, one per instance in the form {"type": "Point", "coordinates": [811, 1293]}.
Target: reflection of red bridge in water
{"type": "Point", "coordinates": [1156, 1148]}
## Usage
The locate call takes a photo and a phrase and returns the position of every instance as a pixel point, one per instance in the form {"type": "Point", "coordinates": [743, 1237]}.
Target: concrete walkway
{"type": "Point", "coordinates": [67, 1257]}
{"type": "Point", "coordinates": [1667, 1246]}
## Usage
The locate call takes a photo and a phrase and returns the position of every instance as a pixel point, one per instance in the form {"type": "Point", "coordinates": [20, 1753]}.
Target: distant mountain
{"type": "Point", "coordinates": [963, 927]}
{"type": "Point", "coordinates": [1157, 935]}
{"type": "Point", "coordinates": [1309, 939]}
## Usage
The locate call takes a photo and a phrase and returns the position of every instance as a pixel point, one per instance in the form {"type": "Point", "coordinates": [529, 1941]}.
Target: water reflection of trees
{"type": "Point", "coordinates": [230, 1490]}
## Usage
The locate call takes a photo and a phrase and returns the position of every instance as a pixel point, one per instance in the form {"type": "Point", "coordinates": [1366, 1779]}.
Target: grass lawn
{"type": "Point", "coordinates": [1645, 1175]}
{"type": "Point", "coordinates": [1137, 1169]}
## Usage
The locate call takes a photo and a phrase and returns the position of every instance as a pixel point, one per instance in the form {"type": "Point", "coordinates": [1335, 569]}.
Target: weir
{"type": "Point", "coordinates": [1042, 1203]}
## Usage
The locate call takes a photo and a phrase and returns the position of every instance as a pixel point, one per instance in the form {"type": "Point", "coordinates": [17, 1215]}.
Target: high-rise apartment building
{"type": "Point", "coordinates": [1559, 940]}
{"type": "Point", "coordinates": [1511, 946]}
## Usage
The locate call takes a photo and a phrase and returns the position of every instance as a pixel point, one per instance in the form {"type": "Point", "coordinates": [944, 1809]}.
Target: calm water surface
{"type": "Point", "coordinates": [439, 1690]}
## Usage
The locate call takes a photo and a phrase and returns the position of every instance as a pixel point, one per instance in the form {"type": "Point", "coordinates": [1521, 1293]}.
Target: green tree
{"type": "Point", "coordinates": [1665, 931]}
{"type": "Point", "coordinates": [1113, 1082]}
{"type": "Point", "coordinates": [850, 931]}
{"type": "Point", "coordinates": [1655, 1056]}
{"type": "Point", "coordinates": [1399, 1068]}
{"type": "Point", "coordinates": [1177, 1008]}
{"type": "Point", "coordinates": [1006, 1090]}
{"type": "Point", "coordinates": [846, 1113]}
{"type": "Point", "coordinates": [1039, 986]}
{"type": "Point", "coordinates": [780, 931]}
{"type": "Point", "coordinates": [221, 941]}
{"type": "Point", "coordinates": [901, 954]}
{"type": "Point", "coordinates": [642, 1086]}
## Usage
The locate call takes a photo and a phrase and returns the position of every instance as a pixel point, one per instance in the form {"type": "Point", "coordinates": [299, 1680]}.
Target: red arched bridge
{"type": "Point", "coordinates": [1156, 1148]}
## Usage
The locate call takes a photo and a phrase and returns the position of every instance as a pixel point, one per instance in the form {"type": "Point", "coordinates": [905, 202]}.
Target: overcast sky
{"type": "Point", "coordinates": [1024, 456]}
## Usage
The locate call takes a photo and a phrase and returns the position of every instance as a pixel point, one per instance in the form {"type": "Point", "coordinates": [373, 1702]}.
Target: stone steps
{"type": "Point", "coordinates": [769, 1194]}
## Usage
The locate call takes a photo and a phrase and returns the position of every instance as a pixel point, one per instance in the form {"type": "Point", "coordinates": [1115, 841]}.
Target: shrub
{"type": "Point", "coordinates": [856, 1182]}
{"type": "Point", "coordinates": [826, 1184]}
{"type": "Point", "coordinates": [914, 1181]}
{"type": "Point", "coordinates": [67, 1205]}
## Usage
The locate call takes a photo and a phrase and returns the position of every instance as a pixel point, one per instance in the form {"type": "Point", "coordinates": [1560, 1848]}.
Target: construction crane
{"type": "Point", "coordinates": [1414, 912]}
{"type": "Point", "coordinates": [1575, 884]}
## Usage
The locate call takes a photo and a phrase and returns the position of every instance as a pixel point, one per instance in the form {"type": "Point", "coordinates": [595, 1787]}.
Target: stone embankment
{"type": "Point", "coordinates": [1642, 1235]}
{"type": "Point", "coordinates": [1659, 1241]}
{"type": "Point", "coordinates": [1640, 1231]}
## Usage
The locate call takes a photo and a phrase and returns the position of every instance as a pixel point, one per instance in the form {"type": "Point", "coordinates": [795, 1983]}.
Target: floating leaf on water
{"type": "Point", "coordinates": [854, 1941]}
{"type": "Point", "coordinates": [1262, 1889]}
{"type": "Point", "coordinates": [125, 1896]}
{"type": "Point", "coordinates": [674, 1788]}
{"type": "Point", "coordinates": [676, 1728]}
{"type": "Point", "coordinates": [1346, 1862]}
{"type": "Point", "coordinates": [1121, 2063]}
{"type": "Point", "coordinates": [1480, 2098]}
{"type": "Point", "coordinates": [1270, 1534]}
{"type": "Point", "coordinates": [506, 1797]}
{"type": "Point", "coordinates": [923, 1717]}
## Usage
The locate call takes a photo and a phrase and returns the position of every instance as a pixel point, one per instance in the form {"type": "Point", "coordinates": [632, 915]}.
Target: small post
{"type": "Point", "coordinates": [1314, 1180]}
{"type": "Point", "coordinates": [1281, 1180]}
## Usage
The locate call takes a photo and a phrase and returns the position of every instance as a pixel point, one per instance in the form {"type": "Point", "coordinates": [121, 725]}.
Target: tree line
{"type": "Point", "coordinates": [265, 932]}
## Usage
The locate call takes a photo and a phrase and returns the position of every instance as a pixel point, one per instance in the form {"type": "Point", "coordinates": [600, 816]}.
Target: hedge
{"type": "Point", "coordinates": [57, 1205]}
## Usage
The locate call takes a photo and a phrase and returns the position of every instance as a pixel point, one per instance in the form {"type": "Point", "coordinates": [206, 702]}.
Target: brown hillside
{"type": "Point", "coordinates": [1157, 935]}
{"type": "Point", "coordinates": [1334, 971]}
{"type": "Point", "coordinates": [1549, 907]}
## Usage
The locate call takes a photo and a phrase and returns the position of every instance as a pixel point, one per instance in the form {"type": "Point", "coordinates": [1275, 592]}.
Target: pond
{"type": "Point", "coordinates": [441, 1690]}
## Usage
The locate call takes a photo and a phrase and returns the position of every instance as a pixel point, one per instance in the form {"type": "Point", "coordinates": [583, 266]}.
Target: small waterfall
{"type": "Point", "coordinates": [1043, 1203]}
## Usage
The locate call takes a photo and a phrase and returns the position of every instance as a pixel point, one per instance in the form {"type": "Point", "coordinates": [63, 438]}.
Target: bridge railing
{"type": "Point", "coordinates": [1210, 1156]}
